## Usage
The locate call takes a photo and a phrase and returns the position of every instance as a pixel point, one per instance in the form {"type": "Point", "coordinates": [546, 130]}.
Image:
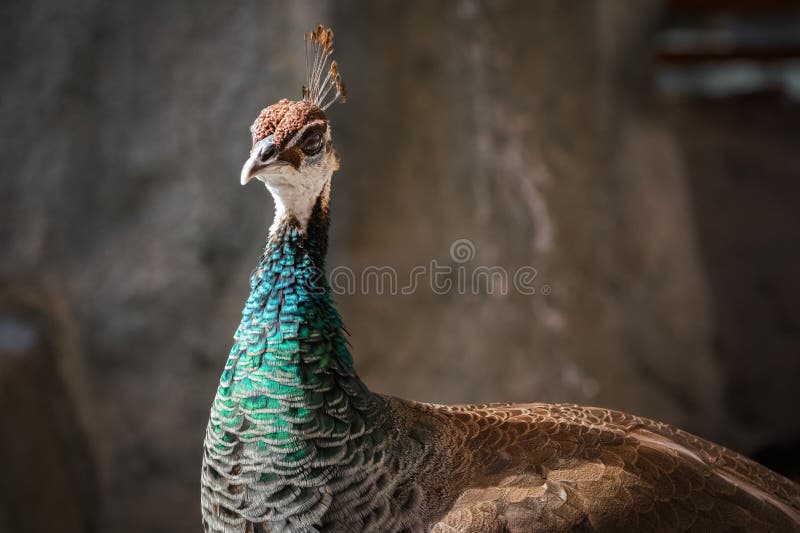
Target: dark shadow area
{"type": "Point", "coordinates": [49, 476]}
{"type": "Point", "coordinates": [741, 156]}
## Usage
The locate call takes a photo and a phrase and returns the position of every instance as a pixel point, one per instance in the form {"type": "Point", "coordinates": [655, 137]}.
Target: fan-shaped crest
{"type": "Point", "coordinates": [321, 76]}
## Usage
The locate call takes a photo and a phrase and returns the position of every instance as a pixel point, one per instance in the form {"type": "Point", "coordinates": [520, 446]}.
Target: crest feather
{"type": "Point", "coordinates": [322, 77]}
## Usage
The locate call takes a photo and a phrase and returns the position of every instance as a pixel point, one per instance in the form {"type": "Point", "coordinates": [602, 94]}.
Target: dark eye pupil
{"type": "Point", "coordinates": [313, 143]}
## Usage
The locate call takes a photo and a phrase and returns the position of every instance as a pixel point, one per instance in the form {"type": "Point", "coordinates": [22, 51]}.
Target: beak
{"type": "Point", "coordinates": [263, 154]}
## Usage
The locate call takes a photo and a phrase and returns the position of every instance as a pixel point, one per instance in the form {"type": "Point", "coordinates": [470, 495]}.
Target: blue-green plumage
{"type": "Point", "coordinates": [289, 409]}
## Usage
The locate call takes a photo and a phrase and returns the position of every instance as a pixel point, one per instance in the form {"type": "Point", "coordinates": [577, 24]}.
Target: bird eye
{"type": "Point", "coordinates": [312, 144]}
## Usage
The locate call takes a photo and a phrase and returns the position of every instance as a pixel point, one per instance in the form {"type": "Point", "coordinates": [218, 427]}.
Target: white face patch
{"type": "Point", "coordinates": [296, 191]}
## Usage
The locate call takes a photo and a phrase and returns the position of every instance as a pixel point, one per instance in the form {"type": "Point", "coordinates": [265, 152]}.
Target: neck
{"type": "Point", "coordinates": [300, 200]}
{"type": "Point", "coordinates": [302, 234]}
{"type": "Point", "coordinates": [289, 394]}
{"type": "Point", "coordinates": [290, 312]}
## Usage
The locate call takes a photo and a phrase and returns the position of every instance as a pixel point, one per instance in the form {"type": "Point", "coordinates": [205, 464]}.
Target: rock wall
{"type": "Point", "coordinates": [526, 128]}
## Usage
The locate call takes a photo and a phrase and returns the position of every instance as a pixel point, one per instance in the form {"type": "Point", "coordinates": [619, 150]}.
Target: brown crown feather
{"type": "Point", "coordinates": [283, 120]}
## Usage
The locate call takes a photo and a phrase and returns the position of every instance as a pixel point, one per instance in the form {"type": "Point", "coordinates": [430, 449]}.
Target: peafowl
{"type": "Point", "coordinates": [297, 443]}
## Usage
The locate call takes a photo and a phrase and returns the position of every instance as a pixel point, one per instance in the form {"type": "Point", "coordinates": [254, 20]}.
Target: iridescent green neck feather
{"type": "Point", "coordinates": [289, 409]}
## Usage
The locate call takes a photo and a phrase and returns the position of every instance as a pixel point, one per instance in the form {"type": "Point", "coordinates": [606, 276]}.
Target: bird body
{"type": "Point", "coordinates": [297, 443]}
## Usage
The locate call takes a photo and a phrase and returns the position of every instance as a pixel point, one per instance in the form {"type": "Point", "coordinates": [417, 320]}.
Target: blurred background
{"type": "Point", "coordinates": [642, 156]}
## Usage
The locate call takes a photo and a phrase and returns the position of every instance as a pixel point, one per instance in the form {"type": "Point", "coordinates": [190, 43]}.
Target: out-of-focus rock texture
{"type": "Point", "coordinates": [663, 235]}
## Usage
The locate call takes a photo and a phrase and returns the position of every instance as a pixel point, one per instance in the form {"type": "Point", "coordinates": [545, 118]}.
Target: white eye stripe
{"type": "Point", "coordinates": [302, 130]}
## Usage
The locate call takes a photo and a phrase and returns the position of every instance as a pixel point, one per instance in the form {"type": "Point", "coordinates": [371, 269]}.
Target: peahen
{"type": "Point", "coordinates": [297, 443]}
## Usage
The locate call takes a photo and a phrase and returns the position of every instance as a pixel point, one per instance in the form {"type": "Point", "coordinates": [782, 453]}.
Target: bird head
{"type": "Point", "coordinates": [292, 152]}
{"type": "Point", "coordinates": [291, 143]}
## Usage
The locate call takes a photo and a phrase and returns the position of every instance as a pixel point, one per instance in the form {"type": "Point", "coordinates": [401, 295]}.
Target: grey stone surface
{"type": "Point", "coordinates": [525, 127]}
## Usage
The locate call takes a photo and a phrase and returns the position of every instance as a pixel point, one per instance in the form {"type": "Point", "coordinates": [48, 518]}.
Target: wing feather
{"type": "Point", "coordinates": [539, 467]}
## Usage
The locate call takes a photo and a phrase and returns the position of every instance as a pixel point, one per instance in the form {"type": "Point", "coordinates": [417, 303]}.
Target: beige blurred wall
{"type": "Point", "coordinates": [528, 128]}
